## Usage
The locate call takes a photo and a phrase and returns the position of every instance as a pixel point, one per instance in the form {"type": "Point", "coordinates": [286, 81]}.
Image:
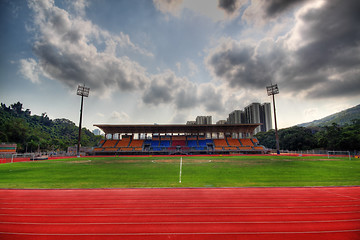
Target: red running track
{"type": "Point", "coordinates": [197, 213]}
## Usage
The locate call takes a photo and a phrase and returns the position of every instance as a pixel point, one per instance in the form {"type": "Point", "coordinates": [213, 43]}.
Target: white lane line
{"type": "Point", "coordinates": [192, 207]}
{"type": "Point", "coordinates": [187, 233]}
{"type": "Point", "coordinates": [177, 214]}
{"type": "Point", "coordinates": [341, 195]}
{"type": "Point", "coordinates": [172, 223]}
{"type": "Point", "coordinates": [123, 201]}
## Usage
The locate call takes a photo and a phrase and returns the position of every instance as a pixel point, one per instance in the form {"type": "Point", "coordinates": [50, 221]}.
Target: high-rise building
{"type": "Point", "coordinates": [203, 120]}
{"type": "Point", "coordinates": [265, 117]}
{"type": "Point", "coordinates": [253, 113]}
{"type": "Point", "coordinates": [236, 117]}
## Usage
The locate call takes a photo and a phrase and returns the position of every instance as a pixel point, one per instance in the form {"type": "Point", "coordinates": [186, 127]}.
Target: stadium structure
{"type": "Point", "coordinates": [179, 139]}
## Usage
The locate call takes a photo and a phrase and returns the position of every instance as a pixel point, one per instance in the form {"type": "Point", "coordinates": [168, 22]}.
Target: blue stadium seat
{"type": "Point", "coordinates": [165, 143]}
{"type": "Point", "coordinates": [155, 143]}
{"type": "Point", "coordinates": [192, 143]}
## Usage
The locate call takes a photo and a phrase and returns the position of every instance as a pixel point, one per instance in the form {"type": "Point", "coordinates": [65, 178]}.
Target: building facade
{"type": "Point", "coordinates": [236, 117]}
{"type": "Point", "coordinates": [203, 120]}
{"type": "Point", "coordinates": [253, 113]}
{"type": "Point", "coordinates": [265, 117]}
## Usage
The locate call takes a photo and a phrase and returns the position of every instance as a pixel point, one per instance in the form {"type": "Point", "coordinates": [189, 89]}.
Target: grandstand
{"type": "Point", "coordinates": [179, 139]}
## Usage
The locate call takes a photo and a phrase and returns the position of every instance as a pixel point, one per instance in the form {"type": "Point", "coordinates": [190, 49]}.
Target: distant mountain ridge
{"type": "Point", "coordinates": [340, 118]}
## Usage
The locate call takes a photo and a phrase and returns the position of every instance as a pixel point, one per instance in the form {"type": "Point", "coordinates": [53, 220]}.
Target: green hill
{"type": "Point", "coordinates": [31, 132]}
{"type": "Point", "coordinates": [340, 118]}
{"type": "Point", "coordinates": [339, 131]}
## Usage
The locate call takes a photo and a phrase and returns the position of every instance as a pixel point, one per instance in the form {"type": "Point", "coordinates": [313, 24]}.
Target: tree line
{"type": "Point", "coordinates": [31, 132]}
{"type": "Point", "coordinates": [333, 137]}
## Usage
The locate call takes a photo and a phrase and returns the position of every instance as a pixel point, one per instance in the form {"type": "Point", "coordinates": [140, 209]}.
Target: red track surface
{"type": "Point", "coordinates": [217, 213]}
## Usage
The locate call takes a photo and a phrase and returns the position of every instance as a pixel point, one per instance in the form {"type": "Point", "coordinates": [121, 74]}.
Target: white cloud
{"type": "Point", "coordinates": [178, 66]}
{"type": "Point", "coordinates": [173, 7]}
{"type": "Point", "coordinates": [79, 6]}
{"type": "Point", "coordinates": [30, 70]}
{"type": "Point", "coordinates": [100, 115]}
{"type": "Point", "coordinates": [167, 88]}
{"type": "Point", "coordinates": [119, 117]}
{"type": "Point", "coordinates": [193, 68]}
{"type": "Point", "coordinates": [212, 9]}
{"type": "Point", "coordinates": [66, 48]}
{"type": "Point", "coordinates": [318, 58]}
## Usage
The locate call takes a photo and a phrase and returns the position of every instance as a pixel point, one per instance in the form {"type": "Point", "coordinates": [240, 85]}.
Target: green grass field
{"type": "Point", "coordinates": [205, 171]}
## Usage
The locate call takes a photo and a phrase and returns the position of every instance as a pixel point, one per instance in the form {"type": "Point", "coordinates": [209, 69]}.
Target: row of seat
{"type": "Point", "coordinates": [178, 142]}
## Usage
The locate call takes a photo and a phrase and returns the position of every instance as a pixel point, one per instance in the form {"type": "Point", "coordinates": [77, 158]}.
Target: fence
{"type": "Point", "coordinates": [316, 152]}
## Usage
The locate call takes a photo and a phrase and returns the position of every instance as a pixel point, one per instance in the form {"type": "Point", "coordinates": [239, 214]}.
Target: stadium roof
{"type": "Point", "coordinates": [178, 128]}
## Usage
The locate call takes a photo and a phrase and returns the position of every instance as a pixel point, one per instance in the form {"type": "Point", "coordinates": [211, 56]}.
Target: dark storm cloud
{"type": "Point", "coordinates": [73, 69]}
{"type": "Point", "coordinates": [167, 88]}
{"type": "Point", "coordinates": [186, 97]}
{"type": "Point", "coordinates": [332, 34]}
{"type": "Point", "coordinates": [338, 88]}
{"type": "Point", "coordinates": [59, 66]}
{"type": "Point", "coordinates": [229, 6]}
{"type": "Point", "coordinates": [159, 92]}
{"type": "Point", "coordinates": [274, 7]}
{"type": "Point", "coordinates": [319, 56]}
{"type": "Point", "coordinates": [244, 66]}
{"type": "Point", "coordinates": [211, 98]}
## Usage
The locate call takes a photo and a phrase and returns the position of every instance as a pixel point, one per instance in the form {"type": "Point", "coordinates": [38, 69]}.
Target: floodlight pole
{"type": "Point", "coordinates": [272, 90]}
{"type": "Point", "coordinates": [83, 92]}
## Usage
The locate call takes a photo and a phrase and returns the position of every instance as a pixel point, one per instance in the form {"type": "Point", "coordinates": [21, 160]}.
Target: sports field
{"type": "Point", "coordinates": [196, 171]}
{"type": "Point", "coordinates": [142, 198]}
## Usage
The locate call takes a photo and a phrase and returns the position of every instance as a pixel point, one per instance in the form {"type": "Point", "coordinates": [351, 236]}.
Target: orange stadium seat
{"type": "Point", "coordinates": [246, 142]}
{"type": "Point", "coordinates": [123, 142]}
{"type": "Point", "coordinates": [245, 148]}
{"type": "Point", "coordinates": [231, 148]}
{"type": "Point", "coordinates": [110, 149]}
{"type": "Point", "coordinates": [109, 143]}
{"type": "Point", "coordinates": [191, 138]}
{"type": "Point", "coordinates": [220, 143]}
{"type": "Point", "coordinates": [259, 148]}
{"type": "Point", "coordinates": [126, 149]}
{"type": "Point", "coordinates": [201, 138]}
{"type": "Point", "coordinates": [233, 142]}
{"type": "Point", "coordinates": [137, 143]}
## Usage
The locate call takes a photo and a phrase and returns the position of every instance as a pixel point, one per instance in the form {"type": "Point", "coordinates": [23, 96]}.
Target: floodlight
{"type": "Point", "coordinates": [271, 91]}
{"type": "Point", "coordinates": [83, 92]}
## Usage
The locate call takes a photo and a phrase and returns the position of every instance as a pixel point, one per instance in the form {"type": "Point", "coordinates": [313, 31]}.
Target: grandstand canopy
{"type": "Point", "coordinates": [177, 128]}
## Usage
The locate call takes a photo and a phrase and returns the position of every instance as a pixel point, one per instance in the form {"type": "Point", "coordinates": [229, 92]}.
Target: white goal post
{"type": "Point", "coordinates": [22, 155]}
{"type": "Point", "coordinates": [339, 154]}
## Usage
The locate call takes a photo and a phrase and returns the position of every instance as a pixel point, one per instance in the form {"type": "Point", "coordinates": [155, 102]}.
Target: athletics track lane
{"type": "Point", "coordinates": [196, 213]}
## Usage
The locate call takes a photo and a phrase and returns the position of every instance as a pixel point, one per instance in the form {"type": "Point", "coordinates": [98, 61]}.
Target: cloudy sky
{"type": "Point", "coordinates": [168, 61]}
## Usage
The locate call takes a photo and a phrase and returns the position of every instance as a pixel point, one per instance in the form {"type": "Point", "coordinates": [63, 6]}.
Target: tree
{"type": "Point", "coordinates": [30, 131]}
{"type": "Point", "coordinates": [17, 108]}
